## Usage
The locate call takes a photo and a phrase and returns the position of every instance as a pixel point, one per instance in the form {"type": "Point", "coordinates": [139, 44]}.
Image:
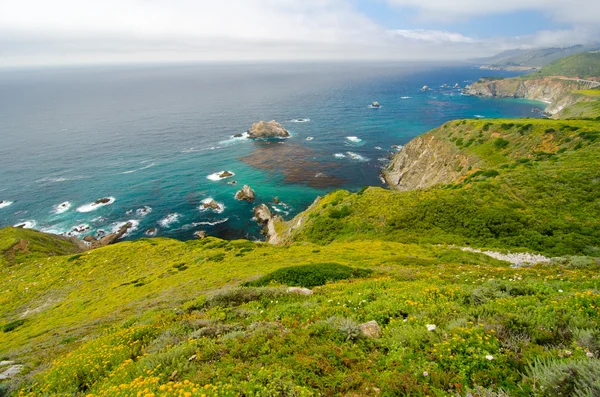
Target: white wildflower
{"type": "Point", "coordinates": [489, 357]}
{"type": "Point", "coordinates": [430, 327]}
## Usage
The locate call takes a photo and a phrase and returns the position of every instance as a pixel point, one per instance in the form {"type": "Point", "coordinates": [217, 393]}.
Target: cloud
{"type": "Point", "coordinates": [432, 36]}
{"type": "Point", "coordinates": [76, 31]}
{"type": "Point", "coordinates": [572, 11]}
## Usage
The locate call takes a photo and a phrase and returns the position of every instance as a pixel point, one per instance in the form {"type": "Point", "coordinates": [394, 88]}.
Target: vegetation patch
{"type": "Point", "coordinates": [310, 276]}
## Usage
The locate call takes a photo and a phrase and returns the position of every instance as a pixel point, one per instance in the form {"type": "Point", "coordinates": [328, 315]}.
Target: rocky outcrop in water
{"type": "Point", "coordinates": [265, 130]}
{"type": "Point", "coordinates": [110, 238]}
{"type": "Point", "coordinates": [246, 193]}
{"type": "Point", "coordinates": [264, 217]}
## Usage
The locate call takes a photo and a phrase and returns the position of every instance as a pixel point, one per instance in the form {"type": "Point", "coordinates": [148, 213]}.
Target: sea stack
{"type": "Point", "coordinates": [265, 130]}
{"type": "Point", "coordinates": [246, 193]}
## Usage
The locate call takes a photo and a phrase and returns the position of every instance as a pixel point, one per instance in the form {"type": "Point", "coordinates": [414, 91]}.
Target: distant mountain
{"type": "Point", "coordinates": [583, 66]}
{"type": "Point", "coordinates": [536, 57]}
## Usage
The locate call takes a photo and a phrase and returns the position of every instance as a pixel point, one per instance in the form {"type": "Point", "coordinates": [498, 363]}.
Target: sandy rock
{"type": "Point", "coordinates": [299, 291]}
{"type": "Point", "coordinates": [370, 329]}
{"type": "Point", "coordinates": [200, 234]}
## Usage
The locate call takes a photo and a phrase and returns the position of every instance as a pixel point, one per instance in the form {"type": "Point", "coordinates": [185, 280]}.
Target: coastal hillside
{"type": "Point", "coordinates": [477, 274]}
{"type": "Point", "coordinates": [557, 84]}
{"type": "Point", "coordinates": [227, 318]}
{"type": "Point", "coordinates": [518, 184]}
{"type": "Point", "coordinates": [535, 58]}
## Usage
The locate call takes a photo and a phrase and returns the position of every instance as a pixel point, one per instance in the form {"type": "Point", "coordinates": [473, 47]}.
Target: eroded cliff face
{"type": "Point", "coordinates": [554, 90]}
{"type": "Point", "coordinates": [427, 161]}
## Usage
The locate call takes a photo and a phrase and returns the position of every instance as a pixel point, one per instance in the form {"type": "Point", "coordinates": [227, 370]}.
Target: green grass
{"type": "Point", "coordinates": [533, 185]}
{"type": "Point", "coordinates": [198, 332]}
{"type": "Point", "coordinates": [309, 276]}
{"type": "Point", "coordinates": [159, 317]}
{"type": "Point", "coordinates": [584, 66]}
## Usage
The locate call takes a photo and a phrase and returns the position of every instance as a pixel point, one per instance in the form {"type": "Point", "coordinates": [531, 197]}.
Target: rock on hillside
{"type": "Point", "coordinates": [264, 130]}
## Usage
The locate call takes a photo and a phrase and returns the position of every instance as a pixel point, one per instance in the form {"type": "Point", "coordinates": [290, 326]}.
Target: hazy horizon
{"type": "Point", "coordinates": [68, 32]}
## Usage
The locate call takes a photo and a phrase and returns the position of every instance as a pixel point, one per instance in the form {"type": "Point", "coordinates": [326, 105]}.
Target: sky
{"type": "Point", "coordinates": [63, 32]}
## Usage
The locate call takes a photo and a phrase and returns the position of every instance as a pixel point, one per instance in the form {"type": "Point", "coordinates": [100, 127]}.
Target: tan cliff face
{"type": "Point", "coordinates": [427, 161]}
{"type": "Point", "coordinates": [554, 90]}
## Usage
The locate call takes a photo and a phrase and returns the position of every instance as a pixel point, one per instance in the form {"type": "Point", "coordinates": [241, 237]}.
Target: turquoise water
{"type": "Point", "coordinates": [148, 136]}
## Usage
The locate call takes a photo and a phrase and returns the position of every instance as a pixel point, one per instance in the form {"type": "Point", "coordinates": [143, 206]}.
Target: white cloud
{"type": "Point", "coordinates": [81, 31]}
{"type": "Point", "coordinates": [433, 36]}
{"type": "Point", "coordinates": [571, 11]}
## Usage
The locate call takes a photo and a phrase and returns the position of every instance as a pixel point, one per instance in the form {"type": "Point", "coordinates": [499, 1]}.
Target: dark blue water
{"type": "Point", "coordinates": [150, 136]}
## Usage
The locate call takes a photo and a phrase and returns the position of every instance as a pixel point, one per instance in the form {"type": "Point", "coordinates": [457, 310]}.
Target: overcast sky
{"type": "Point", "coordinates": [38, 32]}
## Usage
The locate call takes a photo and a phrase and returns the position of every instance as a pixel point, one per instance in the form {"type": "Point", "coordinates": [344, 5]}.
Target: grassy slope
{"type": "Point", "coordinates": [539, 192]}
{"type": "Point", "coordinates": [134, 317]}
{"type": "Point", "coordinates": [151, 316]}
{"type": "Point", "coordinates": [582, 66]}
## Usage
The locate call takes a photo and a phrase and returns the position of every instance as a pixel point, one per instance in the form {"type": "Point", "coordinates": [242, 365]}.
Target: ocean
{"type": "Point", "coordinates": [150, 138]}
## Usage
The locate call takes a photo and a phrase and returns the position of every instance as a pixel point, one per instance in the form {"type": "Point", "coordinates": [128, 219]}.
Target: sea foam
{"type": "Point", "coordinates": [220, 206]}
{"type": "Point", "coordinates": [354, 139]}
{"type": "Point", "coordinates": [4, 204]}
{"type": "Point", "coordinates": [355, 156]}
{"type": "Point", "coordinates": [169, 220]}
{"type": "Point", "coordinates": [62, 207]}
{"type": "Point", "coordinates": [95, 205]}
{"type": "Point", "coordinates": [217, 176]}
{"type": "Point", "coordinates": [26, 224]}
{"type": "Point", "coordinates": [118, 225]}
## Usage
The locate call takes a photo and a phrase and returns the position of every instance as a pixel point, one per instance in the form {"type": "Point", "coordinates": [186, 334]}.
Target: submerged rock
{"type": "Point", "coordinates": [271, 129]}
{"type": "Point", "coordinates": [151, 232]}
{"type": "Point", "coordinates": [246, 193]}
{"type": "Point", "coordinates": [370, 329]}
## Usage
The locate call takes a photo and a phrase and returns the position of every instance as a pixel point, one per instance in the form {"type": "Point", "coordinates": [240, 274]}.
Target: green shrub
{"type": "Point", "coordinates": [341, 213]}
{"type": "Point", "coordinates": [310, 275]}
{"type": "Point", "coordinates": [501, 143]}
{"type": "Point", "coordinates": [589, 135]}
{"type": "Point", "coordinates": [12, 325]}
{"type": "Point", "coordinates": [566, 378]}
{"type": "Point", "coordinates": [349, 328]}
{"type": "Point", "coordinates": [239, 296]}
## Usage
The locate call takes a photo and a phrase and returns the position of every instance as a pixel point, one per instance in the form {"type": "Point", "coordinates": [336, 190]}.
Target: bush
{"type": "Point", "coordinates": [12, 325]}
{"type": "Point", "coordinates": [239, 296]}
{"type": "Point", "coordinates": [567, 378]}
{"type": "Point", "coordinates": [309, 276]}
{"type": "Point", "coordinates": [501, 143]}
{"type": "Point", "coordinates": [341, 213]}
{"type": "Point", "coordinates": [348, 327]}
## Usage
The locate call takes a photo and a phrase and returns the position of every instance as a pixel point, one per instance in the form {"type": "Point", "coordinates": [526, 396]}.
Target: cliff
{"type": "Point", "coordinates": [554, 90]}
{"type": "Point", "coordinates": [427, 161]}
{"type": "Point", "coordinates": [476, 182]}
